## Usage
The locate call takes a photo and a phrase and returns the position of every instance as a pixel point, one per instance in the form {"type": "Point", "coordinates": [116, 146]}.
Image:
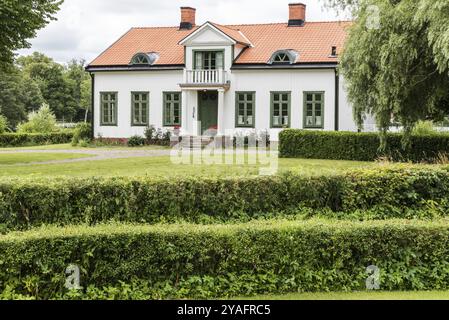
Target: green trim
{"type": "Point", "coordinates": [133, 102]}
{"type": "Point", "coordinates": [115, 114]}
{"type": "Point", "coordinates": [171, 123]}
{"type": "Point", "coordinates": [305, 101]}
{"type": "Point", "coordinates": [237, 102]}
{"type": "Point", "coordinates": [272, 93]}
{"type": "Point", "coordinates": [194, 52]}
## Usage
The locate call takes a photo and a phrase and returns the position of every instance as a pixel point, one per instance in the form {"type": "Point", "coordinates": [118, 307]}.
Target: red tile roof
{"type": "Point", "coordinates": [313, 41]}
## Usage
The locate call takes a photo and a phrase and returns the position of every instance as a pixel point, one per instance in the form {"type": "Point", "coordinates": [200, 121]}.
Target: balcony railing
{"type": "Point", "coordinates": [205, 77]}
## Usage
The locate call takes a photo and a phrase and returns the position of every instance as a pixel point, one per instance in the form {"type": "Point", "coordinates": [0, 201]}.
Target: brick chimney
{"type": "Point", "coordinates": [297, 14]}
{"type": "Point", "coordinates": [187, 18]}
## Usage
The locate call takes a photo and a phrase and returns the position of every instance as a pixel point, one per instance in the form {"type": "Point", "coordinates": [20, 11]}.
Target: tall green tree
{"type": "Point", "coordinates": [396, 60]}
{"type": "Point", "coordinates": [80, 85]}
{"type": "Point", "coordinates": [18, 96]}
{"type": "Point", "coordinates": [52, 82]}
{"type": "Point", "coordinates": [19, 21]}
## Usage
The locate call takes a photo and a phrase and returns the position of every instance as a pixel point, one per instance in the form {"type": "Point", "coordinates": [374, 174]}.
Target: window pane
{"type": "Point", "coordinates": [241, 97]}
{"type": "Point", "coordinates": [309, 97]}
{"type": "Point", "coordinates": [318, 97]}
{"type": "Point", "coordinates": [249, 109]}
{"type": "Point", "coordinates": [285, 97]}
{"type": "Point", "coordinates": [276, 97]}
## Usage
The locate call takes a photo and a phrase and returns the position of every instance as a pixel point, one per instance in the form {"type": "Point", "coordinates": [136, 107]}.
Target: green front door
{"type": "Point", "coordinates": [208, 111]}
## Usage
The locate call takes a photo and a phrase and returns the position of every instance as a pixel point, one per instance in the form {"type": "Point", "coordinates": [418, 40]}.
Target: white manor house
{"type": "Point", "coordinates": [213, 79]}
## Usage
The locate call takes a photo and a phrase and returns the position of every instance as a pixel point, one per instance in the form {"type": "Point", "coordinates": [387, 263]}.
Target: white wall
{"type": "Point", "coordinates": [346, 118]}
{"type": "Point", "coordinates": [155, 82]}
{"type": "Point", "coordinates": [297, 81]}
{"type": "Point", "coordinates": [261, 81]}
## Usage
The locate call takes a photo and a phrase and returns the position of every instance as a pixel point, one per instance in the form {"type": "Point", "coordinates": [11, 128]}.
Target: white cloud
{"type": "Point", "coordinates": [86, 27]}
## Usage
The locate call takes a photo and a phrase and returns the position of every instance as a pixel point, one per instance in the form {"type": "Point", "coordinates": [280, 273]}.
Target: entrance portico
{"type": "Point", "coordinates": [203, 102]}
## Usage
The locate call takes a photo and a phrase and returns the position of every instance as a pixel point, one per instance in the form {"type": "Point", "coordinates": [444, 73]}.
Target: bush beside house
{"type": "Point", "coordinates": [361, 146]}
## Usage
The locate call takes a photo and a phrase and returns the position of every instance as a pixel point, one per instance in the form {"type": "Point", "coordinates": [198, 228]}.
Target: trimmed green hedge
{"type": "Point", "coordinates": [393, 192]}
{"type": "Point", "coordinates": [360, 146]}
{"type": "Point", "coordinates": [180, 261]}
{"type": "Point", "coordinates": [29, 139]}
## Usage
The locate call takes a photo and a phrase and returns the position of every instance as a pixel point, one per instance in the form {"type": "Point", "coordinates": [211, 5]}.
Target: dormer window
{"type": "Point", "coordinates": [284, 57]}
{"type": "Point", "coordinates": [142, 59]}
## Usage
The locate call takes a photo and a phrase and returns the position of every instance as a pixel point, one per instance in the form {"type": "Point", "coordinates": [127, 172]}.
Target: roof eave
{"type": "Point", "coordinates": [161, 67]}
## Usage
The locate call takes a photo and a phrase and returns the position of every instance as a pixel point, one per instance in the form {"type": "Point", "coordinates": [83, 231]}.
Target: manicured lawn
{"type": "Point", "coordinates": [68, 146]}
{"type": "Point", "coordinates": [412, 295]}
{"type": "Point", "coordinates": [16, 158]}
{"type": "Point", "coordinates": [163, 167]}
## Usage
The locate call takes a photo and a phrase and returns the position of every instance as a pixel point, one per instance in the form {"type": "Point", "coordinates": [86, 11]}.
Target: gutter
{"type": "Point", "coordinates": [264, 66]}
{"type": "Point", "coordinates": [134, 68]}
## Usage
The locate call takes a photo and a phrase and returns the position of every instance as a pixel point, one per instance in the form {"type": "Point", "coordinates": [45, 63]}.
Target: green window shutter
{"type": "Point", "coordinates": [139, 108]}
{"type": "Point", "coordinates": [108, 110]}
{"type": "Point", "coordinates": [245, 103]}
{"type": "Point", "coordinates": [280, 109]}
{"type": "Point", "coordinates": [172, 110]}
{"type": "Point", "coordinates": [313, 110]}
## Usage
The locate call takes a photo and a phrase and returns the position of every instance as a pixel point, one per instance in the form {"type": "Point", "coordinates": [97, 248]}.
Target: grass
{"type": "Point", "coordinates": [163, 167]}
{"type": "Point", "coordinates": [68, 146]}
{"type": "Point", "coordinates": [24, 158]}
{"type": "Point", "coordinates": [381, 295]}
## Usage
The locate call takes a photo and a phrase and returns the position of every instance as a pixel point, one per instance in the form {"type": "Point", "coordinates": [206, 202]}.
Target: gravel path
{"type": "Point", "coordinates": [94, 155]}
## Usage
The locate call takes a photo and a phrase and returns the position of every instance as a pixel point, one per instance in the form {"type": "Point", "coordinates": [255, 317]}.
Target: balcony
{"type": "Point", "coordinates": [205, 78]}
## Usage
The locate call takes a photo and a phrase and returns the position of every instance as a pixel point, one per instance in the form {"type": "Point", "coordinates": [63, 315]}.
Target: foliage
{"type": "Point", "coordinates": [83, 132]}
{"type": "Point", "coordinates": [191, 261]}
{"type": "Point", "coordinates": [19, 96]}
{"type": "Point", "coordinates": [42, 121]}
{"type": "Point", "coordinates": [424, 128]}
{"type": "Point", "coordinates": [34, 139]}
{"type": "Point", "coordinates": [3, 124]}
{"type": "Point", "coordinates": [397, 70]}
{"type": "Point", "coordinates": [79, 83]}
{"type": "Point", "coordinates": [361, 146]}
{"type": "Point", "coordinates": [136, 141]}
{"type": "Point", "coordinates": [157, 137]}
{"type": "Point", "coordinates": [19, 21]}
{"type": "Point", "coordinates": [400, 192]}
{"type": "Point", "coordinates": [52, 81]}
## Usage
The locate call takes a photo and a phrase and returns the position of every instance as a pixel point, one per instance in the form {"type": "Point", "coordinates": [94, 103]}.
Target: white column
{"type": "Point", "coordinates": [221, 112]}
{"type": "Point", "coordinates": [184, 113]}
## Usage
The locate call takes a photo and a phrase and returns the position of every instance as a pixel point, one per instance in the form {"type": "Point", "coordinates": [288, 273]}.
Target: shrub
{"type": "Point", "coordinates": [424, 128]}
{"type": "Point", "coordinates": [3, 124]}
{"type": "Point", "coordinates": [360, 146]}
{"type": "Point", "coordinates": [191, 261]}
{"type": "Point", "coordinates": [158, 137]}
{"type": "Point", "coordinates": [388, 193]}
{"type": "Point", "coordinates": [32, 139]}
{"type": "Point", "coordinates": [42, 121]}
{"type": "Point", "coordinates": [136, 141]}
{"type": "Point", "coordinates": [83, 131]}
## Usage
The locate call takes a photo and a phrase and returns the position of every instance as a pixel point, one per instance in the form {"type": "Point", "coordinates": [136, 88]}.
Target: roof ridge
{"type": "Point", "coordinates": [243, 24]}
{"type": "Point", "coordinates": [285, 23]}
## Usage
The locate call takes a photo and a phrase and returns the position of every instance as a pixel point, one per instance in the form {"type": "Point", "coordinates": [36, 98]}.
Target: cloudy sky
{"type": "Point", "coordinates": [86, 27]}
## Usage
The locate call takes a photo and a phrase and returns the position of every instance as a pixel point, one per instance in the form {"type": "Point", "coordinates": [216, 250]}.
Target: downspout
{"type": "Point", "coordinates": [337, 100]}
{"type": "Point", "coordinates": [92, 76]}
